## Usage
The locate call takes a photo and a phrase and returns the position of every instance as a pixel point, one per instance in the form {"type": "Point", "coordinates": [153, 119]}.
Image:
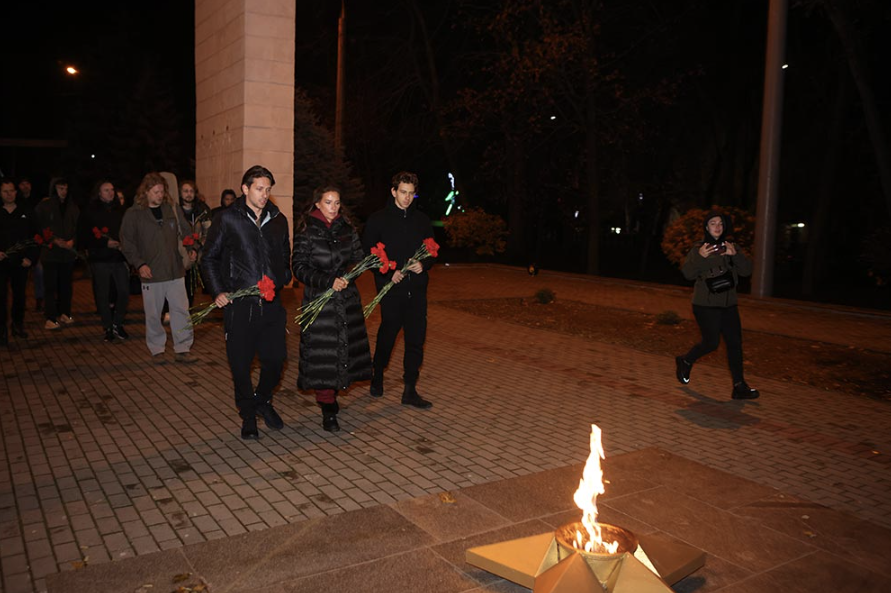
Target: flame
{"type": "Point", "coordinates": [585, 497]}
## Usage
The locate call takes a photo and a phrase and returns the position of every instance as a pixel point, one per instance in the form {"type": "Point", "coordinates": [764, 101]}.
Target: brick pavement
{"type": "Point", "coordinates": [107, 457]}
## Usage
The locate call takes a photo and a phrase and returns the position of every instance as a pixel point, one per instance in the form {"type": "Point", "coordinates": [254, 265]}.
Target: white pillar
{"type": "Point", "coordinates": [244, 76]}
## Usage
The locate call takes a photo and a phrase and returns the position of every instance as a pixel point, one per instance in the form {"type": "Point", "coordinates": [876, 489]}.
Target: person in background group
{"type": "Point", "coordinates": [100, 232]}
{"type": "Point", "coordinates": [198, 216]}
{"type": "Point", "coordinates": [150, 242]}
{"type": "Point", "coordinates": [59, 214]}
{"type": "Point", "coordinates": [227, 198]}
{"type": "Point", "coordinates": [246, 242]}
{"type": "Point", "coordinates": [16, 226]}
{"type": "Point", "coordinates": [334, 348]}
{"type": "Point", "coordinates": [402, 228]}
{"type": "Point", "coordinates": [715, 303]}
{"type": "Point", "coordinates": [29, 201]}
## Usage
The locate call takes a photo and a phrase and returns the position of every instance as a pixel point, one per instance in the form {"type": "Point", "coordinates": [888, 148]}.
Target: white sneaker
{"type": "Point", "coordinates": [51, 325]}
{"type": "Point", "coordinates": [66, 319]}
{"type": "Point", "coordinates": [166, 319]}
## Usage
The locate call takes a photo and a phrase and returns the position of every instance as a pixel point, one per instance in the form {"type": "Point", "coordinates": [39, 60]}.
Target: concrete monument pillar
{"type": "Point", "coordinates": [244, 75]}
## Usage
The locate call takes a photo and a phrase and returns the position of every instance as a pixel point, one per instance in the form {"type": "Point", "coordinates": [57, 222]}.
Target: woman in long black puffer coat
{"type": "Point", "coordinates": [334, 348]}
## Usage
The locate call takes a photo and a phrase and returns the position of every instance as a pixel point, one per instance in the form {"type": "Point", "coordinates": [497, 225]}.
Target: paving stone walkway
{"type": "Point", "coordinates": [105, 456]}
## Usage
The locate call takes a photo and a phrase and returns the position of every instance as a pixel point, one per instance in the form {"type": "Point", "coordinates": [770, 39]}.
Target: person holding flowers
{"type": "Point", "coordinates": [150, 234]}
{"type": "Point", "coordinates": [403, 229]}
{"type": "Point", "coordinates": [18, 251]}
{"type": "Point", "coordinates": [59, 213]}
{"type": "Point", "coordinates": [334, 348]}
{"type": "Point", "coordinates": [246, 263]}
{"type": "Point", "coordinates": [101, 228]}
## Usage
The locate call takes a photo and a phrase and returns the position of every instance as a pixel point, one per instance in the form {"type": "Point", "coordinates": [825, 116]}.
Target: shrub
{"type": "Point", "coordinates": [545, 296]}
{"type": "Point", "coordinates": [688, 230]}
{"type": "Point", "coordinates": [668, 318]}
{"type": "Point", "coordinates": [477, 230]}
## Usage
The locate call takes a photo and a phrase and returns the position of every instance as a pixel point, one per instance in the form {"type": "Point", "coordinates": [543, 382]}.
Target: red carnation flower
{"type": "Point", "coordinates": [97, 233]}
{"type": "Point", "coordinates": [104, 229]}
{"type": "Point", "coordinates": [267, 288]}
{"type": "Point", "coordinates": [188, 241]}
{"type": "Point", "coordinates": [432, 246]}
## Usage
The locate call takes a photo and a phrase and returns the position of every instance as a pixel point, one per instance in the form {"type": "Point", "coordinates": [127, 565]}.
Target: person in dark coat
{"type": "Point", "coordinates": [101, 234]}
{"type": "Point", "coordinates": [59, 214]}
{"type": "Point", "coordinates": [198, 216]}
{"type": "Point", "coordinates": [334, 349]}
{"type": "Point", "coordinates": [247, 241]}
{"type": "Point", "coordinates": [402, 228]}
{"type": "Point", "coordinates": [227, 198]}
{"type": "Point", "coordinates": [716, 265]}
{"type": "Point", "coordinates": [16, 227]}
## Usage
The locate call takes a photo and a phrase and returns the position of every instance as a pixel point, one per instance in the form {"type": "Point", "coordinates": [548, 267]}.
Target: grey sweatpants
{"type": "Point", "coordinates": [153, 296]}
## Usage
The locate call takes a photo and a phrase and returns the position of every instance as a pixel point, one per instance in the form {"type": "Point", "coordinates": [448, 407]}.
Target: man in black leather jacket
{"type": "Point", "coordinates": [247, 241]}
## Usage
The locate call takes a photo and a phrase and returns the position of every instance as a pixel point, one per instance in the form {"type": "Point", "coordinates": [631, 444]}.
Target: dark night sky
{"type": "Point", "coordinates": [715, 48]}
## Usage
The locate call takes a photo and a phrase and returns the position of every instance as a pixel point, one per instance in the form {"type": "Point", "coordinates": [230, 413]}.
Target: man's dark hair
{"type": "Point", "coordinates": [404, 177]}
{"type": "Point", "coordinates": [256, 172]}
{"type": "Point", "coordinates": [5, 180]}
{"type": "Point", "coordinates": [229, 192]}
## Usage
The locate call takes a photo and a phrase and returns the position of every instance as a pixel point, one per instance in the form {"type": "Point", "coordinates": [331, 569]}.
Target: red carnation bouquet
{"type": "Point", "coordinates": [265, 289]}
{"type": "Point", "coordinates": [99, 233]}
{"type": "Point", "coordinates": [192, 241]}
{"type": "Point", "coordinates": [44, 238]}
{"type": "Point", "coordinates": [376, 259]}
{"type": "Point", "coordinates": [429, 248]}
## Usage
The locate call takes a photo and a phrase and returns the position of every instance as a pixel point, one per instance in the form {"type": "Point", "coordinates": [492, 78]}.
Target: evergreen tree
{"type": "Point", "coordinates": [317, 162]}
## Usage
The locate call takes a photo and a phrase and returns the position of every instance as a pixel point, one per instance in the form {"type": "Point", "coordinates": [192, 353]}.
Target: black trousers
{"type": "Point", "coordinates": [715, 322]}
{"type": "Point", "coordinates": [108, 275]}
{"type": "Point", "coordinates": [14, 276]}
{"type": "Point", "coordinates": [255, 330]}
{"type": "Point", "coordinates": [407, 312]}
{"type": "Point", "coordinates": [58, 278]}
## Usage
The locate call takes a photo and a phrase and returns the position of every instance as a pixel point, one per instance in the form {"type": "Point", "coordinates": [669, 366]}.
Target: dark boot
{"type": "Point", "coordinates": [270, 416]}
{"type": "Point", "coordinates": [249, 423]}
{"type": "Point", "coordinates": [682, 369]}
{"type": "Point", "coordinates": [741, 390]}
{"type": "Point", "coordinates": [410, 397]}
{"type": "Point", "coordinates": [377, 383]}
{"type": "Point", "coordinates": [329, 417]}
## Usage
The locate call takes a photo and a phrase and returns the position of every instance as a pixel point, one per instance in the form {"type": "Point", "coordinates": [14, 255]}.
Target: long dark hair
{"type": "Point", "coordinates": [306, 211]}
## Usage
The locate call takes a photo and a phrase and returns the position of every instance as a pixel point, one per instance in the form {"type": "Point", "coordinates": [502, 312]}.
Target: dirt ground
{"type": "Point", "coordinates": [827, 366]}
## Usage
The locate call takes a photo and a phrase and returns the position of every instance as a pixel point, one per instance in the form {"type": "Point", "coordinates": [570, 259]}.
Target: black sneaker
{"type": "Point", "coordinates": [109, 335]}
{"type": "Point", "coordinates": [270, 416]}
{"type": "Point", "coordinates": [120, 332]}
{"type": "Point", "coordinates": [412, 398]}
{"type": "Point", "coordinates": [682, 369]}
{"type": "Point", "coordinates": [742, 391]}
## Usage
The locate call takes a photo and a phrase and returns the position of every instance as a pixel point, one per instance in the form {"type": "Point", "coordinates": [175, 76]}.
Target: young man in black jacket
{"type": "Point", "coordinates": [247, 241]}
{"type": "Point", "coordinates": [402, 228]}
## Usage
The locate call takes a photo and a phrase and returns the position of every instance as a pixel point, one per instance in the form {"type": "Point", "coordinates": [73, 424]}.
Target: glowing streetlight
{"type": "Point", "coordinates": [71, 70]}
